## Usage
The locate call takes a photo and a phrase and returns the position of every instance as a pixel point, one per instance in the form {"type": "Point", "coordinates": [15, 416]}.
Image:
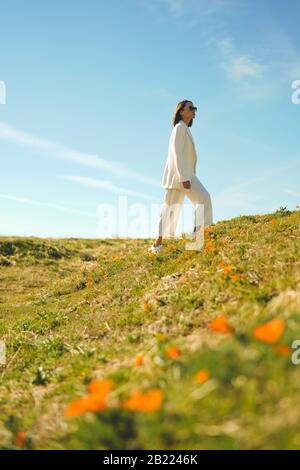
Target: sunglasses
{"type": "Point", "coordinates": [192, 108]}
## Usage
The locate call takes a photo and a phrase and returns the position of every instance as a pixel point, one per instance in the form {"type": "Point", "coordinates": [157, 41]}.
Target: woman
{"type": "Point", "coordinates": [180, 180]}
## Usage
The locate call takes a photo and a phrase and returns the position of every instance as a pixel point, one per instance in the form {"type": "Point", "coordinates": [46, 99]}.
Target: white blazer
{"type": "Point", "coordinates": [182, 157]}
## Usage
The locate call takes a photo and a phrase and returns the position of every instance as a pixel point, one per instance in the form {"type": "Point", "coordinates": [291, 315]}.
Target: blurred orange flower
{"type": "Point", "coordinates": [221, 325]}
{"type": "Point", "coordinates": [100, 386]}
{"type": "Point", "coordinates": [238, 276]}
{"type": "Point", "coordinates": [208, 246]}
{"type": "Point", "coordinates": [173, 352]}
{"type": "Point", "coordinates": [227, 269]}
{"type": "Point", "coordinates": [146, 307]}
{"type": "Point", "coordinates": [94, 401]}
{"type": "Point", "coordinates": [282, 349]}
{"type": "Point", "coordinates": [201, 376]}
{"type": "Point", "coordinates": [139, 360]}
{"type": "Point", "coordinates": [139, 401]}
{"type": "Point", "coordinates": [20, 438]}
{"type": "Point", "coordinates": [269, 332]}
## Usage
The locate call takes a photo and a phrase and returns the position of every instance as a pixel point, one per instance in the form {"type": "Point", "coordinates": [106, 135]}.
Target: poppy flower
{"type": "Point", "coordinates": [173, 352]}
{"type": "Point", "coordinates": [20, 438]}
{"type": "Point", "coordinates": [94, 401]}
{"type": "Point", "coordinates": [221, 325]}
{"type": "Point", "coordinates": [269, 332]}
{"type": "Point", "coordinates": [147, 402]}
{"type": "Point", "coordinates": [139, 360]}
{"type": "Point", "coordinates": [201, 376]}
{"type": "Point", "coordinates": [282, 349]}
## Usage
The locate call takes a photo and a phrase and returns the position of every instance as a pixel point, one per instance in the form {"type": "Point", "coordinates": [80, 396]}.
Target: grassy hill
{"type": "Point", "coordinates": [173, 351]}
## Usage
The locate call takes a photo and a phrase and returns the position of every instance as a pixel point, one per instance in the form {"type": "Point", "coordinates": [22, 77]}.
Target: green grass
{"type": "Point", "coordinates": [60, 333]}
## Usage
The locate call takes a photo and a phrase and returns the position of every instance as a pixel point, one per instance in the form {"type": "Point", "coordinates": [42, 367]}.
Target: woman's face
{"type": "Point", "coordinates": [188, 113]}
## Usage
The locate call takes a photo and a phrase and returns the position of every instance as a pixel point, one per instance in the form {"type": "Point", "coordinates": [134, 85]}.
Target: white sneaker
{"type": "Point", "coordinates": [155, 249]}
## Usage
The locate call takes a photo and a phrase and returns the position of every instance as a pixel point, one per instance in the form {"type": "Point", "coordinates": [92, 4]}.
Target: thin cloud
{"type": "Point", "coordinates": [11, 134]}
{"type": "Point", "coordinates": [34, 202]}
{"type": "Point", "coordinates": [238, 66]}
{"type": "Point", "coordinates": [103, 184]}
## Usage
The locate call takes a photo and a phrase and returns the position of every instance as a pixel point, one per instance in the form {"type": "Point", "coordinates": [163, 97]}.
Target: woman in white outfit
{"type": "Point", "coordinates": [180, 180]}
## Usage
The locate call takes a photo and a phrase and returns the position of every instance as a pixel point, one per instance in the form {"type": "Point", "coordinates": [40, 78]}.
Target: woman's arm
{"type": "Point", "coordinates": [179, 143]}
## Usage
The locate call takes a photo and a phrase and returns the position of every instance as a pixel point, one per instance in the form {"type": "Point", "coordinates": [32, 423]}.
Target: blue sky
{"type": "Point", "coordinates": [90, 90]}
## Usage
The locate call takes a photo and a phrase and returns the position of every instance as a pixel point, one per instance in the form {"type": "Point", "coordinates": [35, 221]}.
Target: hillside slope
{"type": "Point", "coordinates": [75, 310]}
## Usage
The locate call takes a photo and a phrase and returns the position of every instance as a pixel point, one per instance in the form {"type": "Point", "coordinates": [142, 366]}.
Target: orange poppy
{"type": "Point", "coordinates": [221, 325]}
{"type": "Point", "coordinates": [227, 269]}
{"type": "Point", "coordinates": [201, 376]}
{"type": "Point", "coordinates": [20, 438]}
{"type": "Point", "coordinates": [100, 386]}
{"type": "Point", "coordinates": [282, 349]}
{"type": "Point", "coordinates": [146, 307]}
{"type": "Point", "coordinates": [139, 360]}
{"type": "Point", "coordinates": [139, 401]}
{"type": "Point", "coordinates": [269, 332]}
{"type": "Point", "coordinates": [173, 352]}
{"type": "Point", "coordinates": [94, 401]}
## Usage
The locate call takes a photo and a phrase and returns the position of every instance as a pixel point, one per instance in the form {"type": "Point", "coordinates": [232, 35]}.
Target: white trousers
{"type": "Point", "coordinates": [173, 200]}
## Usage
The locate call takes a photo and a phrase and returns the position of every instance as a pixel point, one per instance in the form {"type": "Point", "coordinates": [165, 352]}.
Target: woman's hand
{"type": "Point", "coordinates": [186, 184]}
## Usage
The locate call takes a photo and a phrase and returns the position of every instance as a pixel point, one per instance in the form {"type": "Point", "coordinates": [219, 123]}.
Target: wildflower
{"type": "Point", "coordinates": [146, 307]}
{"type": "Point", "coordinates": [173, 352]}
{"type": "Point", "coordinates": [94, 401]}
{"type": "Point", "coordinates": [227, 269]}
{"type": "Point", "coordinates": [101, 387]}
{"type": "Point", "coordinates": [20, 438]}
{"type": "Point", "coordinates": [201, 376]}
{"type": "Point", "coordinates": [220, 324]}
{"type": "Point", "coordinates": [208, 246]}
{"type": "Point", "coordinates": [282, 349]}
{"type": "Point", "coordinates": [139, 360]}
{"type": "Point", "coordinates": [236, 277]}
{"type": "Point", "coordinates": [147, 402]}
{"type": "Point", "coordinates": [269, 332]}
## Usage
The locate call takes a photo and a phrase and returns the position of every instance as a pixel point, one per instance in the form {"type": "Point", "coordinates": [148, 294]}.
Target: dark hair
{"type": "Point", "coordinates": [177, 116]}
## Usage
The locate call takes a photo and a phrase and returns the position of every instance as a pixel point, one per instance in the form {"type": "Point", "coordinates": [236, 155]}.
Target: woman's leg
{"type": "Point", "coordinates": [169, 213]}
{"type": "Point", "coordinates": [201, 200]}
